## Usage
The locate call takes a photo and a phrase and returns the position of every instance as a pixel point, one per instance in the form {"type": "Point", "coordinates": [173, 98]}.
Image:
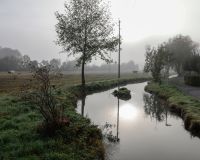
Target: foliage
{"type": "Point", "coordinates": [156, 60]}
{"type": "Point", "coordinates": [192, 64]}
{"type": "Point", "coordinates": [55, 63]}
{"type": "Point", "coordinates": [192, 70]}
{"type": "Point", "coordinates": [193, 80]}
{"type": "Point", "coordinates": [181, 47]}
{"type": "Point", "coordinates": [13, 60]}
{"type": "Point", "coordinates": [123, 93]}
{"type": "Point", "coordinates": [104, 68]}
{"type": "Point", "coordinates": [85, 31]}
{"type": "Point", "coordinates": [9, 63]}
{"type": "Point", "coordinates": [8, 52]}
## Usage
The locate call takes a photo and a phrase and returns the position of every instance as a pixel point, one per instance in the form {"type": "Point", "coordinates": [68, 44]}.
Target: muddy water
{"type": "Point", "coordinates": [147, 130]}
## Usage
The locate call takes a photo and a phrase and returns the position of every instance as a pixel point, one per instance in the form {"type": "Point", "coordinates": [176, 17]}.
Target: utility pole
{"type": "Point", "coordinates": [119, 59]}
{"type": "Point", "coordinates": [118, 80]}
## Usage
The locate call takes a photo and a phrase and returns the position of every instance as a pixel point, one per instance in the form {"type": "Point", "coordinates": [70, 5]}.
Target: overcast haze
{"type": "Point", "coordinates": [29, 25]}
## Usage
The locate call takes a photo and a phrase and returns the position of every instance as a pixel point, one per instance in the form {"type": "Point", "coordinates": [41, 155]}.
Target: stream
{"type": "Point", "coordinates": [146, 129]}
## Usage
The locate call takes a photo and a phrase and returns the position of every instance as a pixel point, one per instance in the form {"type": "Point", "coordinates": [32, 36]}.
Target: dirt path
{"type": "Point", "coordinates": [179, 83]}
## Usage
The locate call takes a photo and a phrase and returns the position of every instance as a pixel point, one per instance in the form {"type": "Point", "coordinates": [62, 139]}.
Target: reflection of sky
{"type": "Point", "coordinates": [127, 112]}
{"type": "Point", "coordinates": [141, 137]}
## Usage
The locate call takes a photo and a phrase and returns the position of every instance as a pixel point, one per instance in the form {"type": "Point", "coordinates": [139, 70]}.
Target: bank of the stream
{"type": "Point", "coordinates": [187, 107]}
{"type": "Point", "coordinates": [81, 140]}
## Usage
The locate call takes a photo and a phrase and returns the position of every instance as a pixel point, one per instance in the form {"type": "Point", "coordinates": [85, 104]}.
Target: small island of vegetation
{"type": "Point", "coordinates": [122, 93]}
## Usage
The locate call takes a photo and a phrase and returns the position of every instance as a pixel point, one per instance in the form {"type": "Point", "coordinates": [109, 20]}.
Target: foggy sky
{"type": "Point", "coordinates": [29, 25]}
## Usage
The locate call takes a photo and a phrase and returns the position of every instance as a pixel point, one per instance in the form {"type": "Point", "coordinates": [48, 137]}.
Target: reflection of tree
{"type": "Point", "coordinates": [83, 105]}
{"type": "Point", "coordinates": [108, 128]}
{"type": "Point", "coordinates": [155, 108]}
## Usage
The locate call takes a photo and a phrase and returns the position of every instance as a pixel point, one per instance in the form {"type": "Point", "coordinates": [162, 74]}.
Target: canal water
{"type": "Point", "coordinates": [147, 130]}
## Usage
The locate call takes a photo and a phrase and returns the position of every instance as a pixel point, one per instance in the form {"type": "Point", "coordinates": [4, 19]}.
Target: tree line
{"type": "Point", "coordinates": [13, 60]}
{"type": "Point", "coordinates": [179, 53]}
{"type": "Point", "coordinates": [130, 66]}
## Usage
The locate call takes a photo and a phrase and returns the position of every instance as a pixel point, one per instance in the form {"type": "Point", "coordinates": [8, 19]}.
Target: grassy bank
{"type": "Point", "coordinates": [19, 121]}
{"type": "Point", "coordinates": [19, 138]}
{"type": "Point", "coordinates": [98, 86]}
{"type": "Point", "coordinates": [185, 106]}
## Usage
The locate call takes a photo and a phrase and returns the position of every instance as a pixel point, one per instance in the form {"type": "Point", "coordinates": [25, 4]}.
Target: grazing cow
{"type": "Point", "coordinates": [13, 75]}
{"type": "Point", "coordinates": [11, 72]}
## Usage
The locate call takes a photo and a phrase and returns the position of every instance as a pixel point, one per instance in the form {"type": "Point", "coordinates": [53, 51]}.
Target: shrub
{"type": "Point", "coordinates": [122, 93]}
{"type": "Point", "coordinates": [192, 64]}
{"type": "Point", "coordinates": [43, 97]}
{"type": "Point", "coordinates": [193, 80]}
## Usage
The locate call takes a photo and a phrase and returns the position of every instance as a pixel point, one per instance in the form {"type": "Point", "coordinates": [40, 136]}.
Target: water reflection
{"type": "Point", "coordinates": [117, 119]}
{"type": "Point", "coordinates": [128, 111]}
{"type": "Point", "coordinates": [156, 108]}
{"type": "Point", "coordinates": [83, 105]}
{"type": "Point", "coordinates": [139, 139]}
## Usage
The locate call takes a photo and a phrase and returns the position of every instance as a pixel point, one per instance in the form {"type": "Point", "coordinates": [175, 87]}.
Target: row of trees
{"type": "Point", "coordinates": [104, 68]}
{"type": "Point", "coordinates": [179, 53]}
{"type": "Point", "coordinates": [17, 62]}
{"type": "Point", "coordinates": [13, 60]}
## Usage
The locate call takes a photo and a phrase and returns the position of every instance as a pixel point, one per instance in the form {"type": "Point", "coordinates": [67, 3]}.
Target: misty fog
{"type": "Point", "coordinates": [29, 26]}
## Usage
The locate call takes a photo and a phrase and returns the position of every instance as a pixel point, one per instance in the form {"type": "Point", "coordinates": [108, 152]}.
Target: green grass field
{"type": "Point", "coordinates": [19, 121]}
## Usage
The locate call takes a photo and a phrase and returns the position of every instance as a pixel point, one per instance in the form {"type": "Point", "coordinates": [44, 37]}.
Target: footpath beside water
{"type": "Point", "coordinates": [190, 90]}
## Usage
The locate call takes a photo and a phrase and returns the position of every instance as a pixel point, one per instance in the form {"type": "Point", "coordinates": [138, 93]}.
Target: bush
{"type": "Point", "coordinates": [43, 96]}
{"type": "Point", "coordinates": [193, 80]}
{"type": "Point", "coordinates": [192, 64]}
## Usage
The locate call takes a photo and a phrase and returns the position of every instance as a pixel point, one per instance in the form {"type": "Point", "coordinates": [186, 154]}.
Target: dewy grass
{"type": "Point", "coordinates": [81, 140]}
{"type": "Point", "coordinates": [19, 138]}
{"type": "Point", "coordinates": [185, 106]}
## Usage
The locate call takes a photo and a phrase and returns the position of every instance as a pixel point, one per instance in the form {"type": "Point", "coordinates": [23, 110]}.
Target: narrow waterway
{"type": "Point", "coordinates": [147, 130]}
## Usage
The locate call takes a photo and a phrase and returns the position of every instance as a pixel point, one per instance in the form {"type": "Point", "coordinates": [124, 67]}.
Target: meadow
{"type": "Point", "coordinates": [12, 83]}
{"type": "Point", "coordinates": [20, 120]}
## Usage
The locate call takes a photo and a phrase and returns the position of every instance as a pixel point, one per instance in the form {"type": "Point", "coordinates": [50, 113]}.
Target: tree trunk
{"type": "Point", "coordinates": [83, 77]}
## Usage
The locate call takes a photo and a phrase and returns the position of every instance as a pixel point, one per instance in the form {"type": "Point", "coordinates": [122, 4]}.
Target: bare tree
{"type": "Point", "coordinates": [86, 32]}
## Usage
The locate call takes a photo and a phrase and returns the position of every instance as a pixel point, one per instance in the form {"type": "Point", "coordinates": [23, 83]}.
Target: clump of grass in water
{"type": "Point", "coordinates": [122, 93]}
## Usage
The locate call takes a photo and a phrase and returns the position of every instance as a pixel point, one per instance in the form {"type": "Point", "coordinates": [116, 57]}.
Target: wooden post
{"type": "Point", "coordinates": [118, 79]}
{"type": "Point", "coordinates": [119, 59]}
